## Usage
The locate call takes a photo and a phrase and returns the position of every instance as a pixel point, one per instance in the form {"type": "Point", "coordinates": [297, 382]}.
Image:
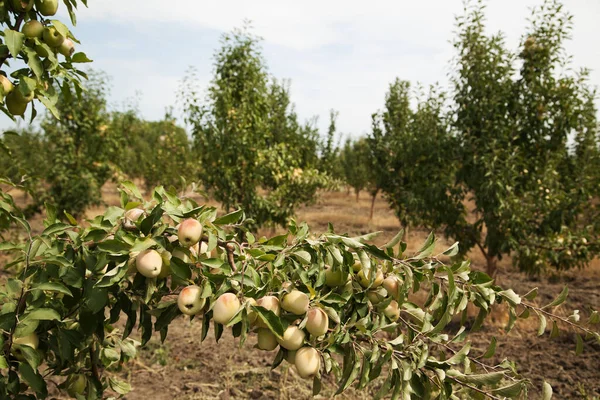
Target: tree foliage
{"type": "Point", "coordinates": [76, 281]}
{"type": "Point", "coordinates": [248, 132]}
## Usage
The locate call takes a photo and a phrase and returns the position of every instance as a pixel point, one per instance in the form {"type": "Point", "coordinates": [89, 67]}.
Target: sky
{"type": "Point", "coordinates": [338, 55]}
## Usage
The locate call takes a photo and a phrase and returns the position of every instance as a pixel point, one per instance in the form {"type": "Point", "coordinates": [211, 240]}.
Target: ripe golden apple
{"type": "Point", "coordinates": [189, 232]}
{"type": "Point", "coordinates": [392, 311]}
{"type": "Point", "coordinates": [266, 339]}
{"type": "Point", "coordinates": [226, 306]}
{"type": "Point", "coordinates": [67, 48]}
{"type": "Point", "coordinates": [295, 302]}
{"type": "Point", "coordinates": [307, 362]}
{"type": "Point", "coordinates": [376, 296]}
{"type": "Point", "coordinates": [30, 340]}
{"type": "Point", "coordinates": [364, 278]}
{"type": "Point", "coordinates": [317, 322]}
{"type": "Point", "coordinates": [189, 300]}
{"type": "Point", "coordinates": [149, 263]}
{"type": "Point", "coordinates": [131, 217]}
{"type": "Point", "coordinates": [293, 338]}
{"type": "Point", "coordinates": [7, 85]}
{"type": "Point", "coordinates": [392, 284]}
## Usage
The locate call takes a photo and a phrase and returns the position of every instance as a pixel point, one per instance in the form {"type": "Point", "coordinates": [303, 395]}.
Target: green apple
{"type": "Point", "coordinates": [334, 278]}
{"type": "Point", "coordinates": [22, 5]}
{"type": "Point", "coordinates": [30, 340]}
{"type": "Point", "coordinates": [76, 385]}
{"type": "Point", "coordinates": [33, 29]}
{"type": "Point", "coordinates": [7, 85]}
{"type": "Point", "coordinates": [47, 7]}
{"type": "Point", "coordinates": [149, 263]}
{"type": "Point", "coordinates": [15, 107]}
{"type": "Point", "coordinates": [67, 48]}
{"type": "Point", "coordinates": [22, 98]}
{"type": "Point", "coordinates": [52, 37]}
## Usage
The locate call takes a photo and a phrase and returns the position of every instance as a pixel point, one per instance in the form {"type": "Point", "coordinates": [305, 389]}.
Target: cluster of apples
{"type": "Point", "coordinates": [306, 359]}
{"type": "Point", "coordinates": [18, 98]}
{"type": "Point", "coordinates": [378, 286]}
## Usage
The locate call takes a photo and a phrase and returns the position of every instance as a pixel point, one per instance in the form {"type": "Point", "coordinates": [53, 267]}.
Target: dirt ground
{"type": "Point", "coordinates": [184, 368]}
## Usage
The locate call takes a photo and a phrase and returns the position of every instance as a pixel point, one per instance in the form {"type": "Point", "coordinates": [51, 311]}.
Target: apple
{"type": "Point", "coordinates": [293, 338]}
{"type": "Point", "coordinates": [307, 362]}
{"type": "Point", "coordinates": [365, 280]}
{"type": "Point", "coordinates": [376, 296]}
{"type": "Point", "coordinates": [357, 266]}
{"type": "Point", "coordinates": [317, 322]}
{"type": "Point", "coordinates": [165, 269]}
{"type": "Point", "coordinates": [131, 217]}
{"type": "Point", "coordinates": [33, 29]}
{"type": "Point", "coordinates": [266, 339]}
{"type": "Point", "coordinates": [182, 255]}
{"type": "Point", "coordinates": [226, 306]}
{"type": "Point", "coordinates": [30, 340]}
{"type": "Point", "coordinates": [22, 5]}
{"type": "Point", "coordinates": [189, 300]}
{"type": "Point", "coordinates": [67, 48]}
{"type": "Point", "coordinates": [46, 7]}
{"type": "Point", "coordinates": [15, 107]}
{"type": "Point", "coordinates": [149, 263]}
{"type": "Point", "coordinates": [23, 98]}
{"type": "Point", "coordinates": [392, 284]}
{"type": "Point", "coordinates": [7, 85]}
{"type": "Point", "coordinates": [392, 311]}
{"type": "Point", "coordinates": [189, 232]}
{"type": "Point", "coordinates": [270, 303]}
{"type": "Point", "coordinates": [295, 302]}
{"type": "Point", "coordinates": [52, 37]}
{"type": "Point", "coordinates": [252, 315]}
{"type": "Point", "coordinates": [334, 278]}
{"type": "Point", "coordinates": [76, 385]}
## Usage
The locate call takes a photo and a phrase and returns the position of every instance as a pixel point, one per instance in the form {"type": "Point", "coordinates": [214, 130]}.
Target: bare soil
{"type": "Point", "coordinates": [184, 368]}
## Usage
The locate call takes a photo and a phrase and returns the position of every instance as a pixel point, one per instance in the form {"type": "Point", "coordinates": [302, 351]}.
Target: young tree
{"type": "Point", "coordinates": [415, 159]}
{"type": "Point", "coordinates": [514, 135]}
{"type": "Point", "coordinates": [242, 135]}
{"type": "Point", "coordinates": [81, 149]}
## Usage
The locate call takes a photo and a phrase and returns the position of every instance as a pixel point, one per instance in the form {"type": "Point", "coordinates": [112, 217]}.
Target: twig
{"type": "Point", "coordinates": [94, 362]}
{"type": "Point", "coordinates": [483, 392]}
{"type": "Point", "coordinates": [564, 320]}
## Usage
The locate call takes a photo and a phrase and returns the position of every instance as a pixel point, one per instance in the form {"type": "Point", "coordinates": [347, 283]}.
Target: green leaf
{"type": "Point", "coordinates": [14, 41]}
{"type": "Point", "coordinates": [80, 58]}
{"type": "Point", "coordinates": [542, 327]}
{"type": "Point", "coordinates": [531, 295]}
{"type": "Point", "coordinates": [510, 296]}
{"type": "Point", "coordinates": [60, 27]}
{"type": "Point", "coordinates": [460, 356]}
{"type": "Point", "coordinates": [56, 228]}
{"type": "Point", "coordinates": [130, 186]}
{"type": "Point", "coordinates": [578, 344]}
{"type": "Point", "coordinates": [42, 314]}
{"type": "Point", "coordinates": [230, 218]}
{"type": "Point", "coordinates": [3, 363]}
{"type": "Point", "coordinates": [491, 350]}
{"type": "Point", "coordinates": [560, 299]}
{"type": "Point", "coordinates": [119, 386]}
{"type": "Point", "coordinates": [270, 319]}
{"type": "Point", "coordinates": [33, 378]}
{"type": "Point", "coordinates": [395, 240]}
{"type": "Point", "coordinates": [53, 287]}
{"type": "Point", "coordinates": [510, 391]}
{"type": "Point", "coordinates": [490, 379]}
{"type": "Point", "coordinates": [31, 355]}
{"type": "Point", "coordinates": [180, 269]}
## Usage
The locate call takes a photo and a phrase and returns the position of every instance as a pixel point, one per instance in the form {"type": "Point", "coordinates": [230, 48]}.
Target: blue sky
{"type": "Point", "coordinates": [337, 54]}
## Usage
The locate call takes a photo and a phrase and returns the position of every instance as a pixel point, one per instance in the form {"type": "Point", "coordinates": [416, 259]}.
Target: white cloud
{"type": "Point", "coordinates": [338, 54]}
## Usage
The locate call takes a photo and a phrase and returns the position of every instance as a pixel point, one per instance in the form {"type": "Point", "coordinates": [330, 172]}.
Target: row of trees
{"type": "Point", "coordinates": [508, 162]}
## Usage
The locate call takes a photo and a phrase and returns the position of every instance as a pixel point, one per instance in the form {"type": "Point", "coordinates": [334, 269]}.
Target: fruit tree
{"type": "Point", "coordinates": [331, 304]}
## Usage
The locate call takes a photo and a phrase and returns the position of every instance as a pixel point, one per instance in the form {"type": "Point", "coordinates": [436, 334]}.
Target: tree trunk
{"type": "Point", "coordinates": [357, 193]}
{"type": "Point", "coordinates": [373, 197]}
{"type": "Point", "coordinates": [491, 267]}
